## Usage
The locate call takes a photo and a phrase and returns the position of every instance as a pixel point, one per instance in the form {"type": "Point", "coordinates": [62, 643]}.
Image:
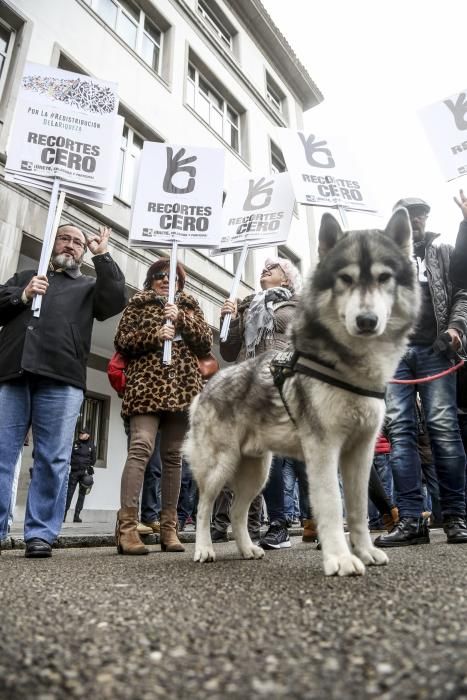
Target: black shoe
{"type": "Point", "coordinates": [219, 536]}
{"type": "Point", "coordinates": [407, 531]}
{"type": "Point", "coordinates": [77, 519]}
{"type": "Point", "coordinates": [276, 537]}
{"type": "Point", "coordinates": [37, 549]}
{"type": "Point", "coordinates": [456, 529]}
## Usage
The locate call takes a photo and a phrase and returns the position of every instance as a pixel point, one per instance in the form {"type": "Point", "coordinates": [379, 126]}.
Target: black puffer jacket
{"type": "Point", "coordinates": [57, 344]}
{"type": "Point", "coordinates": [449, 302]}
{"type": "Point", "coordinates": [83, 456]}
{"type": "Point", "coordinates": [458, 270]}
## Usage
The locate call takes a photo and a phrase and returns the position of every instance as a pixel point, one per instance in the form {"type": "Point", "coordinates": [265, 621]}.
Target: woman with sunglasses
{"type": "Point", "coordinates": [157, 396]}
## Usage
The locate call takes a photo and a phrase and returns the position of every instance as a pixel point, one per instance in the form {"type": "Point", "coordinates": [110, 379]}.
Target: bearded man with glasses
{"type": "Point", "coordinates": [43, 372]}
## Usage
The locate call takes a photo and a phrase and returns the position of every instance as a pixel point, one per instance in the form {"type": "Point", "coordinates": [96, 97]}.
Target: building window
{"type": "Point", "coordinates": [7, 41]}
{"type": "Point", "coordinates": [213, 108]}
{"type": "Point", "coordinates": [94, 414]}
{"type": "Point", "coordinates": [130, 150]}
{"type": "Point", "coordinates": [134, 27]}
{"type": "Point", "coordinates": [274, 94]}
{"type": "Point", "coordinates": [215, 24]}
{"type": "Point", "coordinates": [277, 160]}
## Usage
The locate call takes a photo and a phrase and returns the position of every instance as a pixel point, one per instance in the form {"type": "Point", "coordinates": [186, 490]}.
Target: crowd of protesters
{"type": "Point", "coordinates": [418, 478]}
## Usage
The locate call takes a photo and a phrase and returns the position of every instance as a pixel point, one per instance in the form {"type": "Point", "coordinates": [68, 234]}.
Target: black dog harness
{"type": "Point", "coordinates": [288, 362]}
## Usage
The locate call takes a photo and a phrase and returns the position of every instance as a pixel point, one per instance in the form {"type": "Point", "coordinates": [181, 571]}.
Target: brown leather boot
{"type": "Point", "coordinates": [126, 534]}
{"type": "Point", "coordinates": [390, 521]}
{"type": "Point", "coordinates": [169, 539]}
{"type": "Point", "coordinates": [310, 530]}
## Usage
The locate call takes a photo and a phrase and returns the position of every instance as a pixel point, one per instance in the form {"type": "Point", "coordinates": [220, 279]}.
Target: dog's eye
{"type": "Point", "coordinates": [384, 277]}
{"type": "Point", "coordinates": [346, 279]}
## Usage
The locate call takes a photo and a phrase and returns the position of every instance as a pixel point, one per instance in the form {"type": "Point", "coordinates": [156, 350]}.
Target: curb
{"type": "Point", "coordinates": [75, 541]}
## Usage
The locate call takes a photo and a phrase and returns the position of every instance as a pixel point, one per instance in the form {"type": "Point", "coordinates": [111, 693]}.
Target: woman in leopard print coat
{"type": "Point", "coordinates": [157, 396]}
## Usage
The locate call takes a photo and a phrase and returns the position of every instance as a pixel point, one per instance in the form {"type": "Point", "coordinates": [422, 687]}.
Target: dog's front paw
{"type": "Point", "coordinates": [252, 552]}
{"type": "Point", "coordinates": [343, 565]}
{"type": "Point", "coordinates": [205, 553]}
{"type": "Point", "coordinates": [371, 556]}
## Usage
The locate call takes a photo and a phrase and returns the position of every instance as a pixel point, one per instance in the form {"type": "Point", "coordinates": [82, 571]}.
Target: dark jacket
{"type": "Point", "coordinates": [458, 271]}
{"type": "Point", "coordinates": [83, 456]}
{"type": "Point", "coordinates": [57, 344]}
{"type": "Point", "coordinates": [152, 386]}
{"type": "Point", "coordinates": [234, 347]}
{"type": "Point", "coordinates": [449, 302]}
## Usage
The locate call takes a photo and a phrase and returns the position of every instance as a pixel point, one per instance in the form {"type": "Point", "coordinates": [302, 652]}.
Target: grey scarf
{"type": "Point", "coordinates": [259, 318]}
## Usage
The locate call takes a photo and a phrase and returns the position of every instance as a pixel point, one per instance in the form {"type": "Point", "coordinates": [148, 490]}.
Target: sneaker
{"type": "Point", "coordinates": [143, 529]}
{"type": "Point", "coordinates": [219, 536]}
{"type": "Point", "coordinates": [407, 531]}
{"type": "Point", "coordinates": [153, 527]}
{"type": "Point", "coordinates": [276, 537]}
{"type": "Point", "coordinates": [77, 519]}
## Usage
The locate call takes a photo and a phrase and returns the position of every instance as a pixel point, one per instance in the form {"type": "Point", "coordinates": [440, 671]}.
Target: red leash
{"type": "Point", "coordinates": [454, 368]}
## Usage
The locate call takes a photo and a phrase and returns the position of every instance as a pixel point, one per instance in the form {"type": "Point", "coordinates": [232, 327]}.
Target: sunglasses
{"type": "Point", "coordinates": [159, 276]}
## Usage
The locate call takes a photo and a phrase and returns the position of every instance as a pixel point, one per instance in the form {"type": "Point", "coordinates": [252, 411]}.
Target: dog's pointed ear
{"type": "Point", "coordinates": [400, 230]}
{"type": "Point", "coordinates": [329, 233]}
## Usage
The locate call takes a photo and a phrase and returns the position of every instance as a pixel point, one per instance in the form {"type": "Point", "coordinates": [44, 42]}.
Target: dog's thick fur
{"type": "Point", "coordinates": [355, 312]}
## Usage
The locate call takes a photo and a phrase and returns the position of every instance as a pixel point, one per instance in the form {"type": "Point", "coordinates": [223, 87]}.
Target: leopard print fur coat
{"type": "Point", "coordinates": [150, 385]}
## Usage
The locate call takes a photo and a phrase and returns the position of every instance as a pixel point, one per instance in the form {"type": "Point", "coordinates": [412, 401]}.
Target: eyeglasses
{"type": "Point", "coordinates": [268, 268]}
{"type": "Point", "coordinates": [74, 241]}
{"type": "Point", "coordinates": [159, 276]}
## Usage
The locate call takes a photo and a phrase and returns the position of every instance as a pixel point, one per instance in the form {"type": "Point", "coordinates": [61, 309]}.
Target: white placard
{"type": "Point", "coordinates": [178, 196]}
{"type": "Point", "coordinates": [64, 126]}
{"type": "Point", "coordinates": [445, 123]}
{"type": "Point", "coordinates": [258, 211]}
{"type": "Point", "coordinates": [322, 171]}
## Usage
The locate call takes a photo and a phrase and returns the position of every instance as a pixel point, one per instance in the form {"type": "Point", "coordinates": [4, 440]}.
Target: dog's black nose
{"type": "Point", "coordinates": [367, 322]}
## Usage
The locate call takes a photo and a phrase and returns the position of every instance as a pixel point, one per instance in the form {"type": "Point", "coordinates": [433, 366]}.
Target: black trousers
{"type": "Point", "coordinates": [73, 480]}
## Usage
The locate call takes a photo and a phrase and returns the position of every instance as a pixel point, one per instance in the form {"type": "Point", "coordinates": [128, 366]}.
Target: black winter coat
{"type": "Point", "coordinates": [449, 302]}
{"type": "Point", "coordinates": [83, 455]}
{"type": "Point", "coordinates": [458, 271]}
{"type": "Point", "coordinates": [57, 344]}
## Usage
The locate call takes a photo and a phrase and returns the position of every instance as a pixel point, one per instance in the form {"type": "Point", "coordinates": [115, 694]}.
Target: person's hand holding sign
{"type": "Point", "coordinates": [167, 332]}
{"type": "Point", "coordinates": [171, 312]}
{"type": "Point", "coordinates": [37, 285]}
{"type": "Point", "coordinates": [462, 203]}
{"type": "Point", "coordinates": [98, 242]}
{"type": "Point", "coordinates": [229, 307]}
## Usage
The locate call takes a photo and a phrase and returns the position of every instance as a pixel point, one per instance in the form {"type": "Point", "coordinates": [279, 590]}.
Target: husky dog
{"type": "Point", "coordinates": [322, 403]}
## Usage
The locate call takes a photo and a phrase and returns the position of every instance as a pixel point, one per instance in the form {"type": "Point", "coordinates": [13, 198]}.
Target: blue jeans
{"type": "Point", "coordinates": [151, 491]}
{"type": "Point", "coordinates": [295, 471]}
{"type": "Point", "coordinates": [52, 409]}
{"type": "Point", "coordinates": [439, 404]}
{"type": "Point", "coordinates": [186, 500]}
{"type": "Point", "coordinates": [382, 464]}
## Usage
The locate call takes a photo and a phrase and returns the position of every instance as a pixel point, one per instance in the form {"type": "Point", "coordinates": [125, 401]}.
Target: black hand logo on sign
{"type": "Point", "coordinates": [459, 111]}
{"type": "Point", "coordinates": [257, 189]}
{"type": "Point", "coordinates": [313, 148]}
{"type": "Point", "coordinates": [177, 164]}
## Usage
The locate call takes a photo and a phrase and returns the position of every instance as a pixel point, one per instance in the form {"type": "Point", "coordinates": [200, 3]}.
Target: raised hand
{"type": "Point", "coordinates": [98, 242]}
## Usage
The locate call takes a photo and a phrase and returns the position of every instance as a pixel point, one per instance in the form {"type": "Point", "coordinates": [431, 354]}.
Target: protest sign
{"type": "Point", "coordinates": [322, 171]}
{"type": "Point", "coordinates": [178, 196]}
{"type": "Point", "coordinates": [257, 210]}
{"type": "Point", "coordinates": [445, 123]}
{"type": "Point", "coordinates": [65, 127]}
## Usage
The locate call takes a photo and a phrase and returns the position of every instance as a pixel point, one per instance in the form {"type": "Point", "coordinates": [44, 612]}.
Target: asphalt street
{"type": "Point", "coordinates": [88, 623]}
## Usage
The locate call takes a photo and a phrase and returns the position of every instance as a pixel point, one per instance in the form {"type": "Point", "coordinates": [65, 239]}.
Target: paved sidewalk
{"type": "Point", "coordinates": [100, 534]}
